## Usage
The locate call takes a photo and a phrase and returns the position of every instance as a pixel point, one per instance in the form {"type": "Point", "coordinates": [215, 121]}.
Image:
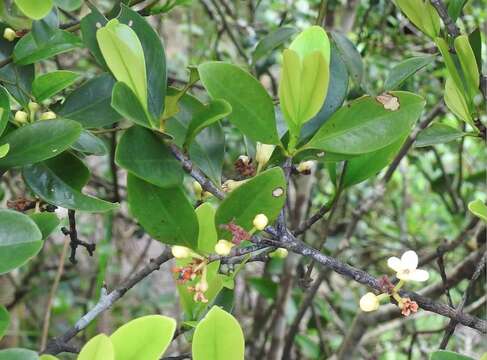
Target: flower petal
{"type": "Point", "coordinates": [395, 264]}
{"type": "Point", "coordinates": [410, 260]}
{"type": "Point", "coordinates": [419, 275]}
{"type": "Point", "coordinates": [404, 275]}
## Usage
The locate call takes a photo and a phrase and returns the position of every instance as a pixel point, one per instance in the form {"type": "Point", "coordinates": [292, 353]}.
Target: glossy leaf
{"type": "Point", "coordinates": [350, 56]}
{"type": "Point", "coordinates": [455, 8]}
{"type": "Point", "coordinates": [46, 222]}
{"type": "Point", "coordinates": [400, 72]}
{"type": "Point", "coordinates": [89, 26]}
{"type": "Point", "coordinates": [272, 40]}
{"type": "Point", "coordinates": [311, 40]}
{"type": "Point", "coordinates": [4, 109]}
{"type": "Point", "coordinates": [18, 354]}
{"type": "Point", "coordinates": [89, 144]}
{"type": "Point", "coordinates": [126, 103]}
{"type": "Point", "coordinates": [448, 355]}
{"type": "Point", "coordinates": [422, 14]}
{"type": "Point", "coordinates": [124, 55]}
{"type": "Point", "coordinates": [68, 5]}
{"type": "Point", "coordinates": [155, 59]}
{"type": "Point", "coordinates": [437, 134]}
{"type": "Point", "coordinates": [20, 240]}
{"type": "Point", "coordinates": [468, 64]}
{"type": "Point", "coordinates": [145, 338]}
{"type": "Point", "coordinates": [90, 104]}
{"type": "Point", "coordinates": [50, 84]}
{"type": "Point", "coordinates": [365, 125]}
{"type": "Point", "coordinates": [71, 169]}
{"type": "Point", "coordinates": [34, 9]}
{"type": "Point", "coordinates": [4, 320]}
{"type": "Point", "coordinates": [27, 51]}
{"type": "Point", "coordinates": [218, 337]}
{"type": "Point", "coordinates": [252, 107]}
{"type": "Point", "coordinates": [456, 102]}
{"type": "Point", "coordinates": [143, 154]}
{"type": "Point", "coordinates": [166, 214]}
{"type": "Point", "coordinates": [213, 112]}
{"type": "Point", "coordinates": [479, 209]}
{"type": "Point", "coordinates": [45, 28]}
{"type": "Point", "coordinates": [98, 348]}
{"type": "Point", "coordinates": [450, 64]}
{"type": "Point", "coordinates": [47, 182]}
{"type": "Point", "coordinates": [5, 148]}
{"type": "Point", "coordinates": [263, 194]}
{"type": "Point", "coordinates": [39, 141]}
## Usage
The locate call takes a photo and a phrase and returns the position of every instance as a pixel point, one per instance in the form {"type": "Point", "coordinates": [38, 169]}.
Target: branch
{"type": "Point", "coordinates": [447, 20]}
{"type": "Point", "coordinates": [73, 236]}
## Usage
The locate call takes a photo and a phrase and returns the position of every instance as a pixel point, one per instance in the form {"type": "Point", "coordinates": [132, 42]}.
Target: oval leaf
{"type": "Point", "coordinates": [20, 240]}
{"type": "Point", "coordinates": [448, 355]}
{"type": "Point", "coordinates": [34, 9]}
{"type": "Point", "coordinates": [46, 222]}
{"type": "Point", "coordinates": [479, 209]}
{"type": "Point", "coordinates": [50, 84]}
{"type": "Point", "coordinates": [437, 134]}
{"type": "Point", "coordinates": [166, 214]}
{"type": "Point", "coordinates": [18, 354]}
{"type": "Point", "coordinates": [39, 141]}
{"type": "Point", "coordinates": [400, 72]}
{"type": "Point", "coordinates": [88, 143]}
{"type": "Point", "coordinates": [145, 338]}
{"type": "Point", "coordinates": [129, 106]}
{"type": "Point", "coordinates": [98, 348]}
{"type": "Point", "coordinates": [272, 41]}
{"type": "Point", "coordinates": [218, 337]}
{"type": "Point", "coordinates": [252, 107]}
{"type": "Point", "coordinates": [365, 125]}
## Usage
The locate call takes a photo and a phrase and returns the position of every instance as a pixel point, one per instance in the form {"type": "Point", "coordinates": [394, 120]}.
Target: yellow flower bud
{"type": "Point", "coordinates": [180, 252]}
{"type": "Point", "coordinates": [48, 115]}
{"type": "Point", "coordinates": [9, 34]}
{"type": "Point", "coordinates": [279, 253]}
{"type": "Point", "coordinates": [305, 166]}
{"type": "Point", "coordinates": [260, 221]}
{"type": "Point", "coordinates": [21, 117]}
{"type": "Point", "coordinates": [263, 153]}
{"type": "Point", "coordinates": [230, 185]}
{"type": "Point", "coordinates": [198, 190]}
{"type": "Point", "coordinates": [33, 106]}
{"type": "Point", "coordinates": [369, 302]}
{"type": "Point", "coordinates": [223, 247]}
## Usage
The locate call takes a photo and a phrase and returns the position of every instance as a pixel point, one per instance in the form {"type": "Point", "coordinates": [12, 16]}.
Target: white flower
{"type": "Point", "coordinates": [305, 166]}
{"type": "Point", "coordinates": [369, 302]}
{"type": "Point", "coordinates": [406, 267]}
{"type": "Point", "coordinates": [180, 252]}
{"type": "Point", "coordinates": [9, 34]}
{"type": "Point", "coordinates": [260, 221]}
{"type": "Point", "coordinates": [263, 153]}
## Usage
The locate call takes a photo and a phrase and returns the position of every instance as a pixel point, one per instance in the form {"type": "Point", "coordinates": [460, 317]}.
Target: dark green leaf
{"type": "Point", "coordinates": [272, 41]}
{"type": "Point", "coordinates": [20, 240]}
{"type": "Point", "coordinates": [129, 106]}
{"type": "Point", "coordinates": [45, 28]}
{"type": "Point", "coordinates": [90, 104]}
{"type": "Point", "coordinates": [27, 51]}
{"type": "Point", "coordinates": [266, 287]}
{"type": "Point", "coordinates": [475, 39]}
{"type": "Point", "coordinates": [46, 222]}
{"type": "Point", "coordinates": [455, 8]}
{"type": "Point", "coordinates": [39, 141]}
{"type": "Point", "coordinates": [88, 143]}
{"type": "Point", "coordinates": [52, 188]}
{"type": "Point", "coordinates": [166, 214]}
{"type": "Point", "coordinates": [252, 107]}
{"type": "Point", "coordinates": [5, 108]}
{"type": "Point", "coordinates": [350, 56]}
{"type": "Point", "coordinates": [400, 72]}
{"type": "Point", "coordinates": [89, 26]}
{"type": "Point", "coordinates": [70, 169]}
{"type": "Point", "coordinates": [145, 155]}
{"type": "Point", "coordinates": [68, 5]}
{"type": "Point", "coordinates": [437, 134]}
{"type": "Point", "coordinates": [263, 194]}
{"type": "Point", "coordinates": [50, 84]}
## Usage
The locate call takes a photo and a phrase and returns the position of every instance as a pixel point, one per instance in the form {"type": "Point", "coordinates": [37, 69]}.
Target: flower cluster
{"type": "Point", "coordinates": [406, 269]}
{"type": "Point", "coordinates": [22, 117]}
{"type": "Point", "coordinates": [197, 267]}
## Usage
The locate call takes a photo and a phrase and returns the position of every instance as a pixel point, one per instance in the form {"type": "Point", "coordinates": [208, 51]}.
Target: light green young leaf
{"type": "Point", "coordinates": [5, 148]}
{"type": "Point", "coordinates": [145, 338]}
{"type": "Point", "coordinates": [310, 40]}
{"type": "Point", "coordinates": [4, 320]}
{"type": "Point", "coordinates": [4, 109]}
{"type": "Point", "coordinates": [218, 337]}
{"type": "Point", "coordinates": [450, 63]}
{"type": "Point", "coordinates": [98, 348]}
{"type": "Point", "coordinates": [468, 64]}
{"type": "Point", "coordinates": [34, 9]}
{"type": "Point", "coordinates": [50, 84]}
{"type": "Point", "coordinates": [124, 55]}
{"type": "Point", "coordinates": [479, 209]}
{"type": "Point", "coordinates": [455, 100]}
{"type": "Point", "coordinates": [48, 357]}
{"type": "Point", "coordinates": [422, 14]}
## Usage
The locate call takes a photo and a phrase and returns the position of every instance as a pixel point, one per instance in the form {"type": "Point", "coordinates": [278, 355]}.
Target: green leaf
{"type": "Point", "coordinates": [155, 59]}
{"type": "Point", "coordinates": [124, 55]}
{"type": "Point", "coordinates": [350, 56]}
{"type": "Point", "coordinates": [51, 183]}
{"type": "Point", "coordinates": [143, 154]}
{"type": "Point", "coordinates": [89, 144]}
{"type": "Point", "coordinates": [218, 337]}
{"type": "Point", "coordinates": [455, 8]}
{"type": "Point", "coordinates": [450, 63]}
{"type": "Point", "coordinates": [46, 222]}
{"type": "Point", "coordinates": [17, 79]}
{"type": "Point", "coordinates": [448, 355]}
{"type": "Point", "coordinates": [4, 109]}
{"type": "Point", "coordinates": [363, 167]}
{"type": "Point", "coordinates": [126, 103]}
{"type": "Point", "coordinates": [456, 102]}
{"type": "Point", "coordinates": [89, 26]}
{"type": "Point", "coordinates": [208, 235]}
{"type": "Point", "coordinates": [479, 209]}
{"type": "Point", "coordinates": [272, 40]}
{"type": "Point", "coordinates": [475, 39]}
{"type": "Point", "coordinates": [263, 194]}
{"type": "Point", "coordinates": [437, 134]}
{"type": "Point", "coordinates": [98, 348]}
{"type": "Point", "coordinates": [364, 125]}
{"type": "Point", "coordinates": [45, 28]}
{"type": "Point", "coordinates": [39, 141]}
{"type": "Point", "coordinates": [400, 72]}
{"type": "Point", "coordinates": [311, 40]}
{"type": "Point", "coordinates": [34, 9]}
{"type": "Point", "coordinates": [4, 320]}
{"type": "Point", "coordinates": [50, 84]}
{"type": "Point", "coordinates": [468, 64]}
{"type": "Point", "coordinates": [48, 357]}
{"type": "Point", "coordinates": [252, 107]}
{"type": "Point", "coordinates": [18, 354]}
{"type": "Point", "coordinates": [27, 51]}
{"type": "Point", "coordinates": [422, 14]}
{"type": "Point", "coordinates": [20, 240]}
{"type": "Point", "coordinates": [166, 214]}
{"type": "Point", "coordinates": [5, 148]}
{"type": "Point", "coordinates": [213, 112]}
{"type": "Point", "coordinates": [90, 104]}
{"type": "Point", "coordinates": [68, 5]}
{"type": "Point", "coordinates": [145, 338]}
{"type": "Point", "coordinates": [266, 287]}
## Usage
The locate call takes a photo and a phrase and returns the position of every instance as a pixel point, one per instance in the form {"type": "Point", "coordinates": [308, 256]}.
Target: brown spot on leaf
{"type": "Point", "coordinates": [390, 102]}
